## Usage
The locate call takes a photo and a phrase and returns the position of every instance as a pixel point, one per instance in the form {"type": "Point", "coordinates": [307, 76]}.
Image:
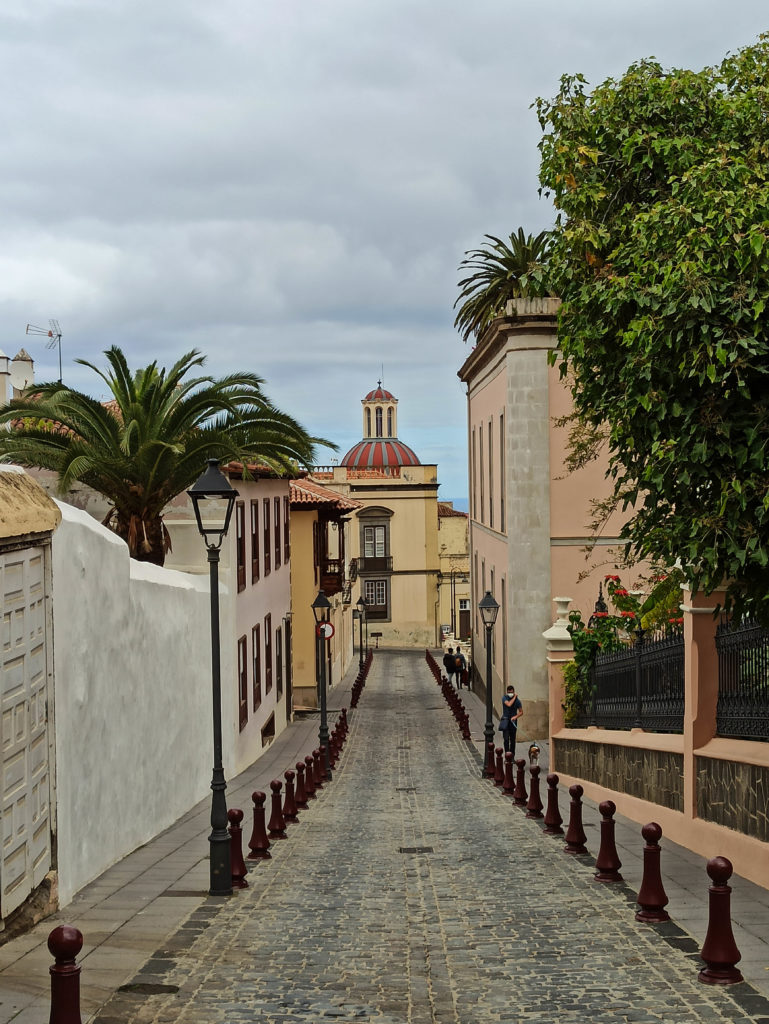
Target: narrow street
{"type": "Point", "coordinates": [413, 891]}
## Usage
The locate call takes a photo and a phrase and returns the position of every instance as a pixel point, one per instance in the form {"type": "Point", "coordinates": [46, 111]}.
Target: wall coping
{"type": "Point", "coordinates": [637, 738]}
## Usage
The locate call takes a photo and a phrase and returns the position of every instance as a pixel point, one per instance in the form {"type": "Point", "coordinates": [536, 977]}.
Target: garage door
{"type": "Point", "coordinates": [25, 786]}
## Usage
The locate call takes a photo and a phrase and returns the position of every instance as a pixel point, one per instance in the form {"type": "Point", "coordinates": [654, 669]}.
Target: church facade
{"type": "Point", "coordinates": [393, 536]}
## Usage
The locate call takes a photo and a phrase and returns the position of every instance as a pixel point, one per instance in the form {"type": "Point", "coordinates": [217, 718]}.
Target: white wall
{"type": "Point", "coordinates": [133, 718]}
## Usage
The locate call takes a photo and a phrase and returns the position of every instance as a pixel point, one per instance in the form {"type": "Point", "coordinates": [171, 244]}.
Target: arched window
{"type": "Point", "coordinates": [368, 423]}
{"type": "Point", "coordinates": [390, 422]}
{"type": "Point", "coordinates": [378, 421]}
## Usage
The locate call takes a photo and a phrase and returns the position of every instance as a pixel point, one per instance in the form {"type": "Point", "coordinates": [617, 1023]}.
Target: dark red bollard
{"type": "Point", "coordinates": [276, 826]}
{"type": "Point", "coordinates": [575, 833]}
{"type": "Point", "coordinates": [607, 861]}
{"type": "Point", "coordinates": [553, 817]}
{"type": "Point", "coordinates": [499, 771]}
{"type": "Point", "coordinates": [652, 898]}
{"type": "Point", "coordinates": [300, 797]}
{"type": "Point", "coordinates": [319, 768]}
{"type": "Point", "coordinates": [309, 777]}
{"type": "Point", "coordinates": [519, 793]}
{"type": "Point", "coordinates": [259, 844]}
{"type": "Point", "coordinates": [489, 768]}
{"type": "Point", "coordinates": [720, 951]}
{"type": "Point", "coordinates": [64, 943]}
{"type": "Point", "coordinates": [508, 787]}
{"type": "Point", "coordinates": [290, 810]}
{"type": "Point", "coordinates": [534, 806]}
{"type": "Point", "coordinates": [237, 864]}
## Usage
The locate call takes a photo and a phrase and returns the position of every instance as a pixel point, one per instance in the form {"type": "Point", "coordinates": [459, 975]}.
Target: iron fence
{"type": "Point", "coordinates": [743, 680]}
{"type": "Point", "coordinates": [641, 686]}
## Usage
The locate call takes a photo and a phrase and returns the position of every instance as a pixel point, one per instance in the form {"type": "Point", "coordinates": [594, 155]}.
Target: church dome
{"type": "Point", "coordinates": [378, 453]}
{"type": "Point", "coordinates": [379, 394]}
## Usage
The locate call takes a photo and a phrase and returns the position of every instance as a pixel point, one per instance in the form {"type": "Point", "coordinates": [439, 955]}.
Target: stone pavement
{"type": "Point", "coordinates": [410, 891]}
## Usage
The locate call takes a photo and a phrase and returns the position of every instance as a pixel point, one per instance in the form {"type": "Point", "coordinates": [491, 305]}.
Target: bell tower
{"type": "Point", "coordinates": [380, 414]}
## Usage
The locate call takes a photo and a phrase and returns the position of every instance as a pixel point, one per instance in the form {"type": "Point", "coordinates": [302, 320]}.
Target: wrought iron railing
{"type": "Point", "coordinates": [743, 680]}
{"type": "Point", "coordinates": [641, 686]}
{"type": "Point", "coordinates": [382, 563]}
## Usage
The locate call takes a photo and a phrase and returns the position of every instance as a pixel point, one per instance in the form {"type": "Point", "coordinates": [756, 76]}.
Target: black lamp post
{"type": "Point", "coordinates": [489, 609]}
{"type": "Point", "coordinates": [320, 610]}
{"type": "Point", "coordinates": [213, 500]}
{"type": "Point", "coordinates": [360, 604]}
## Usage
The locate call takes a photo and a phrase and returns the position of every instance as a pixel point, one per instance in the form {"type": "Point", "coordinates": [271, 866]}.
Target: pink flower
{"type": "Point", "coordinates": [627, 615]}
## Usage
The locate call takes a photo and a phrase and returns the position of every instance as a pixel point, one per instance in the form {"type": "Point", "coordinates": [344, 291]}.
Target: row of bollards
{"type": "Point", "coordinates": [301, 785]}
{"type": "Point", "coordinates": [360, 679]}
{"type": "Point", "coordinates": [719, 951]}
{"type": "Point", "coordinates": [451, 697]}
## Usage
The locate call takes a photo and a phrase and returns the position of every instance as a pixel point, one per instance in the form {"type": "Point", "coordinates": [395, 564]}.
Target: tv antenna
{"type": "Point", "coordinates": [53, 334]}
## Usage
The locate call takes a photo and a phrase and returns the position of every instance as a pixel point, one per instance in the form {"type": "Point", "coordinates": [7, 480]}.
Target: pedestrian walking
{"type": "Point", "coordinates": [512, 709]}
{"type": "Point", "coordinates": [460, 668]}
{"type": "Point", "coordinates": [448, 663]}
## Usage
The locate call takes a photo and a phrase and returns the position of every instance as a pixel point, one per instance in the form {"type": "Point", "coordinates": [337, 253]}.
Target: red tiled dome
{"type": "Point", "coordinates": [379, 395]}
{"type": "Point", "coordinates": [379, 452]}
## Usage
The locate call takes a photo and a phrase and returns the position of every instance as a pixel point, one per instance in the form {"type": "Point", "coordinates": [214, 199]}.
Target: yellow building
{"type": "Point", "coordinates": [454, 573]}
{"type": "Point", "coordinates": [394, 536]}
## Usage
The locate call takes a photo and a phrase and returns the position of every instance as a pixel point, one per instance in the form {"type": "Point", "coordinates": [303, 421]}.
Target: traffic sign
{"type": "Point", "coordinates": [325, 629]}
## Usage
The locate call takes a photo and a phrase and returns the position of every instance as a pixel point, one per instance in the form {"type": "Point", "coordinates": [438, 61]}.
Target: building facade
{"type": "Point", "coordinates": [394, 534]}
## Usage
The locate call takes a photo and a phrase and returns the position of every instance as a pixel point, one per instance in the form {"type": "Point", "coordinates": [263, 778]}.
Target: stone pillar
{"type": "Point", "coordinates": [700, 683]}
{"type": "Point", "coordinates": [559, 651]}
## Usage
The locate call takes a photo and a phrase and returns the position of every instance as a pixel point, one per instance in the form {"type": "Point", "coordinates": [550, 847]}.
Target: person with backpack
{"type": "Point", "coordinates": [448, 663]}
{"type": "Point", "coordinates": [460, 668]}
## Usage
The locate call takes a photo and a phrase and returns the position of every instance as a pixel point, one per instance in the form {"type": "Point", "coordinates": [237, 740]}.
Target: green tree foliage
{"type": "Point", "coordinates": [152, 440]}
{"type": "Point", "coordinates": [498, 272]}
{"type": "Point", "coordinates": [661, 258]}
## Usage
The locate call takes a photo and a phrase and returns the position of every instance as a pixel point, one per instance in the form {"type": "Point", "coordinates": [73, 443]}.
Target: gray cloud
{"type": "Point", "coordinates": [289, 186]}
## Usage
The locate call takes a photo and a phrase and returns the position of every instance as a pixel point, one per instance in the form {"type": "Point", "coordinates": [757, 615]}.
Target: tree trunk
{"type": "Point", "coordinates": [146, 539]}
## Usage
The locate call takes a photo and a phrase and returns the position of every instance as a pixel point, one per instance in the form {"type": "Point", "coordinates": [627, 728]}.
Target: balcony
{"type": "Point", "coordinates": [370, 565]}
{"type": "Point", "coordinates": [332, 576]}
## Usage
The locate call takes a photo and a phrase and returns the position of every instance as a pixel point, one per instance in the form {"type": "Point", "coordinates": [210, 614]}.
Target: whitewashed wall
{"type": "Point", "coordinates": [132, 684]}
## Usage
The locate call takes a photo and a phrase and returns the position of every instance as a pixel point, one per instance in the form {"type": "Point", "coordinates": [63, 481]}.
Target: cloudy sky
{"type": "Point", "coordinates": [290, 185]}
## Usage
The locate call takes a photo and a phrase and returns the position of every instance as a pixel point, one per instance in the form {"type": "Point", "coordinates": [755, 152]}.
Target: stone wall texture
{"type": "Point", "coordinates": [735, 795]}
{"type": "Point", "coordinates": [654, 775]}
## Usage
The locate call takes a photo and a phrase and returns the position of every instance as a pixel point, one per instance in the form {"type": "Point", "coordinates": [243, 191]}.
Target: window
{"type": "Point", "coordinates": [374, 541]}
{"type": "Point", "coordinates": [267, 653]}
{"type": "Point", "coordinates": [480, 469]}
{"type": "Point", "coordinates": [240, 541]}
{"type": "Point", "coordinates": [502, 524]}
{"type": "Point", "coordinates": [389, 423]}
{"type": "Point", "coordinates": [266, 535]}
{"type": "Point", "coordinates": [287, 636]}
{"type": "Point", "coordinates": [276, 510]}
{"type": "Point", "coordinates": [242, 682]}
{"type": "Point", "coordinates": [286, 533]}
{"type": "Point", "coordinates": [375, 596]}
{"type": "Point", "coordinates": [254, 541]}
{"type": "Point", "coordinates": [368, 423]}
{"type": "Point", "coordinates": [491, 480]}
{"type": "Point", "coordinates": [475, 588]}
{"type": "Point", "coordinates": [256, 653]}
{"type": "Point", "coordinates": [474, 481]}
{"type": "Point", "coordinates": [278, 663]}
{"type": "Point", "coordinates": [316, 548]}
{"type": "Point", "coordinates": [378, 415]}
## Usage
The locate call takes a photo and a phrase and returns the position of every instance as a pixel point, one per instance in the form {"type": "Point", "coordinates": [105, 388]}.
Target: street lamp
{"type": "Point", "coordinates": [320, 610]}
{"type": "Point", "coordinates": [489, 609]}
{"type": "Point", "coordinates": [213, 500]}
{"type": "Point", "coordinates": [360, 604]}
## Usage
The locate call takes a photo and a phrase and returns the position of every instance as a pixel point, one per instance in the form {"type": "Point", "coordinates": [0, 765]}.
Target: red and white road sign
{"type": "Point", "coordinates": [325, 629]}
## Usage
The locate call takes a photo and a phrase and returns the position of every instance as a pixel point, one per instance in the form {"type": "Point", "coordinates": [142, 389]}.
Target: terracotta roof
{"type": "Point", "coordinates": [448, 510]}
{"type": "Point", "coordinates": [378, 452]}
{"type": "Point", "coordinates": [256, 469]}
{"type": "Point", "coordinates": [379, 394]}
{"type": "Point", "coordinates": [307, 494]}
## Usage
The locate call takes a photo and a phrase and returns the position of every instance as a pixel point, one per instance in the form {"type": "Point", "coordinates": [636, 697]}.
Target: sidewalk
{"type": "Point", "coordinates": [684, 876]}
{"type": "Point", "coordinates": [133, 909]}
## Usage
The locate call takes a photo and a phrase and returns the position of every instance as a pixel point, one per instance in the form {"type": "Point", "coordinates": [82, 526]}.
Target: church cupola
{"type": "Point", "coordinates": [380, 446]}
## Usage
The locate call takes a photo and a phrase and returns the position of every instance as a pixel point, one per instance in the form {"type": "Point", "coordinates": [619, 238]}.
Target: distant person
{"type": "Point", "coordinates": [512, 709]}
{"type": "Point", "coordinates": [448, 663]}
{"type": "Point", "coordinates": [460, 668]}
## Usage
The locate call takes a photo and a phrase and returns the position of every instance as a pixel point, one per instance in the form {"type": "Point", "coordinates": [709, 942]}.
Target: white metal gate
{"type": "Point", "coordinates": [24, 783]}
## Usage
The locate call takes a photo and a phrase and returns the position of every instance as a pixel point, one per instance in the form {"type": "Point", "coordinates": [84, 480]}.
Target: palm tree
{"type": "Point", "coordinates": [500, 271]}
{"type": "Point", "coordinates": [151, 441]}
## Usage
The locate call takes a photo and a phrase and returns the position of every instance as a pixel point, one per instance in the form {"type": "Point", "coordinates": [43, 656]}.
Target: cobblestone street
{"type": "Point", "coordinates": [413, 891]}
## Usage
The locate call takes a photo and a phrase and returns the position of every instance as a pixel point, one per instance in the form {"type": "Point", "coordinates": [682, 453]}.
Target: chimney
{"type": "Point", "coordinates": [22, 372]}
